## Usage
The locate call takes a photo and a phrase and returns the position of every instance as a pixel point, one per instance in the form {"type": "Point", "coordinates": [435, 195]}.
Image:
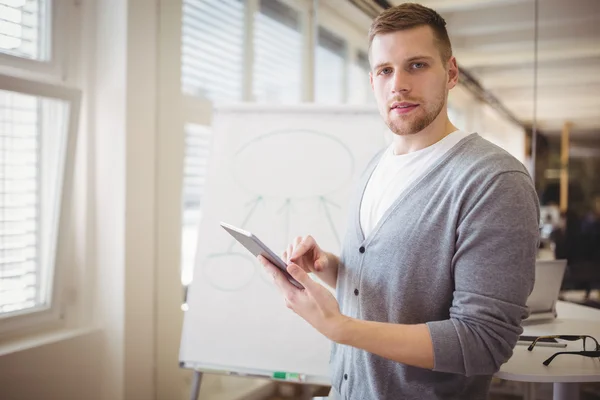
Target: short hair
{"type": "Point", "coordinates": [412, 15]}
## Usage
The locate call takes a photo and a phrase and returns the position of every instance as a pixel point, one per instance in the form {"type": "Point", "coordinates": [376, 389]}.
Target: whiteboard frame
{"type": "Point", "coordinates": [215, 369]}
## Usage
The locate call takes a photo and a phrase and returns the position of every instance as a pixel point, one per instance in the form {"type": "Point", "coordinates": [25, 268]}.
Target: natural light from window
{"type": "Point", "coordinates": [32, 138]}
{"type": "Point", "coordinates": [24, 28]}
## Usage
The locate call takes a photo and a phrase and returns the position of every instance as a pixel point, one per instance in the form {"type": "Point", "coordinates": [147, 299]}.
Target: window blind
{"type": "Point", "coordinates": [212, 49]}
{"type": "Point", "coordinates": [329, 69]}
{"type": "Point", "coordinates": [198, 142]}
{"type": "Point", "coordinates": [25, 28]}
{"type": "Point", "coordinates": [20, 182]}
{"type": "Point", "coordinates": [277, 53]}
{"type": "Point", "coordinates": [359, 87]}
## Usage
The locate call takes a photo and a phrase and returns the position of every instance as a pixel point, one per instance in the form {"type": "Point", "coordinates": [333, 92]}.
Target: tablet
{"type": "Point", "coordinates": [256, 247]}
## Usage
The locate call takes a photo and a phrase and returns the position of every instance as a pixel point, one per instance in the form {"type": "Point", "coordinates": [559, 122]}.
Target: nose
{"type": "Point", "coordinates": [400, 82]}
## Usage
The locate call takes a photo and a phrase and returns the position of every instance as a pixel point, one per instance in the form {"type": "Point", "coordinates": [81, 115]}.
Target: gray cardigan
{"type": "Point", "coordinates": [455, 251]}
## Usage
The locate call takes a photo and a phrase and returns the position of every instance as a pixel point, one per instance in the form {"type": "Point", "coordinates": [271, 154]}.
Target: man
{"type": "Point", "coordinates": [438, 259]}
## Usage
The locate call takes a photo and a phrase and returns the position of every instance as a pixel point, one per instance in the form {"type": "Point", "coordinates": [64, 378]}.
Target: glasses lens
{"type": "Point", "coordinates": [589, 344]}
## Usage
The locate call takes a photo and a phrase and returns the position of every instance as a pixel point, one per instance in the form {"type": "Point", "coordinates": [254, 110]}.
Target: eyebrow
{"type": "Point", "coordinates": [411, 59]}
{"type": "Point", "coordinates": [428, 58]}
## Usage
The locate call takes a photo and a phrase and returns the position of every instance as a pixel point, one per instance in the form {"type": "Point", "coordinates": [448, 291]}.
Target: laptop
{"type": "Point", "coordinates": [548, 280]}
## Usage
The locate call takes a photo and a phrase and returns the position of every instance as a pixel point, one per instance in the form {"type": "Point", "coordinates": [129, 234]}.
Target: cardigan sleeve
{"type": "Point", "coordinates": [493, 271]}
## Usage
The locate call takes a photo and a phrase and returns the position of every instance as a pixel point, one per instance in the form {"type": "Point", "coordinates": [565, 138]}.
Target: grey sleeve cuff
{"type": "Point", "coordinates": [474, 343]}
{"type": "Point", "coordinates": [447, 350]}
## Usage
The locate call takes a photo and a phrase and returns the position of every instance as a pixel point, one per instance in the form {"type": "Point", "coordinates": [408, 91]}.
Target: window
{"type": "Point", "coordinates": [277, 54]}
{"type": "Point", "coordinates": [359, 87]}
{"type": "Point", "coordinates": [25, 28]}
{"type": "Point", "coordinates": [36, 151]}
{"type": "Point", "coordinates": [330, 68]}
{"type": "Point", "coordinates": [198, 140]}
{"type": "Point", "coordinates": [212, 49]}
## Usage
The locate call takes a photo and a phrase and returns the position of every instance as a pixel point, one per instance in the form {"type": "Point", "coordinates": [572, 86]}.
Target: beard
{"type": "Point", "coordinates": [423, 116]}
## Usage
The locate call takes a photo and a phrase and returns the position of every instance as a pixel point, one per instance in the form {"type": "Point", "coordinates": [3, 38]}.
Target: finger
{"type": "Point", "coordinates": [284, 286]}
{"type": "Point", "coordinates": [268, 265]}
{"type": "Point", "coordinates": [301, 276]}
{"type": "Point", "coordinates": [298, 240]}
{"type": "Point", "coordinates": [290, 249]}
{"type": "Point", "coordinates": [265, 263]}
{"type": "Point", "coordinates": [284, 256]}
{"type": "Point", "coordinates": [302, 248]}
{"type": "Point", "coordinates": [321, 263]}
{"type": "Point", "coordinates": [318, 266]}
{"type": "Point", "coordinates": [288, 304]}
{"type": "Point", "coordinates": [294, 245]}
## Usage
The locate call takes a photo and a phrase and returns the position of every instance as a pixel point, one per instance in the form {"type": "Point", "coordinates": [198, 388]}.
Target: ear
{"type": "Point", "coordinates": [371, 80]}
{"type": "Point", "coordinates": [452, 72]}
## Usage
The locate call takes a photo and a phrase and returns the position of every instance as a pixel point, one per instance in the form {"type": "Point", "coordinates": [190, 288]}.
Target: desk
{"type": "Point", "coordinates": [566, 371]}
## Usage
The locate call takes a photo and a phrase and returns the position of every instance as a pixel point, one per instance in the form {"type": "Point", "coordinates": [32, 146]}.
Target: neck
{"type": "Point", "coordinates": [436, 131]}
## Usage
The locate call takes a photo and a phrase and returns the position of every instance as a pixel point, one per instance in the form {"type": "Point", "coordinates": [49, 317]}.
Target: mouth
{"type": "Point", "coordinates": [403, 107]}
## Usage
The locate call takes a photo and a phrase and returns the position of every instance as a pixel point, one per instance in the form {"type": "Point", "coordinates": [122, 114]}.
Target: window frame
{"type": "Point", "coordinates": [56, 65]}
{"type": "Point", "coordinates": [53, 315]}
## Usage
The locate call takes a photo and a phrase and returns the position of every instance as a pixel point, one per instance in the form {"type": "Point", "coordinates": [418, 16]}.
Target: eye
{"type": "Point", "coordinates": [385, 71]}
{"type": "Point", "coordinates": [418, 65]}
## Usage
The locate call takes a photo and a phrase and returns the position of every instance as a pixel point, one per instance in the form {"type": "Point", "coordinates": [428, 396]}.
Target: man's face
{"type": "Point", "coordinates": [409, 79]}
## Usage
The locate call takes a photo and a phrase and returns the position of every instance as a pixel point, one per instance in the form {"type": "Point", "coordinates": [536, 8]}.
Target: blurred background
{"type": "Point", "coordinates": [91, 299]}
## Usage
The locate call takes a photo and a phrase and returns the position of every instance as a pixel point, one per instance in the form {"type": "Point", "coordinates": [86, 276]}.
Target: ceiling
{"type": "Point", "coordinates": [494, 41]}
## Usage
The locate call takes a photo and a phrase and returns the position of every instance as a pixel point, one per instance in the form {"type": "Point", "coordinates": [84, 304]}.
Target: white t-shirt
{"type": "Point", "coordinates": [395, 173]}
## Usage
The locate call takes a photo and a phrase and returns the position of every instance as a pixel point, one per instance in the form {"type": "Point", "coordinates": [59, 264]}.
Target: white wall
{"type": "Point", "coordinates": [140, 195]}
{"type": "Point", "coordinates": [62, 370]}
{"type": "Point", "coordinates": [124, 141]}
{"type": "Point", "coordinates": [474, 116]}
{"type": "Point", "coordinates": [171, 381]}
{"type": "Point", "coordinates": [107, 89]}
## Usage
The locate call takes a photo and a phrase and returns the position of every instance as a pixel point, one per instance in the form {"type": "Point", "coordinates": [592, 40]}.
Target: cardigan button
{"type": "Point", "coordinates": [362, 249]}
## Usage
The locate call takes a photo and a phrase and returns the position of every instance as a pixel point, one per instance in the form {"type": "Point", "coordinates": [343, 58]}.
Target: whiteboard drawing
{"type": "Point", "coordinates": [304, 184]}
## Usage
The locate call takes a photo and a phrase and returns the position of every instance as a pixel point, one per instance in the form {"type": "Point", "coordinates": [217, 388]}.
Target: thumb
{"type": "Point", "coordinates": [301, 276]}
{"type": "Point", "coordinates": [321, 263]}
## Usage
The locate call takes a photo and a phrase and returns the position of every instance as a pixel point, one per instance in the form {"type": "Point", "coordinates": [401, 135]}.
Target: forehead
{"type": "Point", "coordinates": [399, 45]}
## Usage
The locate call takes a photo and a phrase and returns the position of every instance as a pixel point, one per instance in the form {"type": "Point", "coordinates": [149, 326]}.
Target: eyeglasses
{"type": "Point", "coordinates": [586, 353]}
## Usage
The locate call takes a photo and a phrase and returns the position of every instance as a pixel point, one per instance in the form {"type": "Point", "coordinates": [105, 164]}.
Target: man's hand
{"type": "Point", "coordinates": [306, 253]}
{"type": "Point", "coordinates": [407, 344]}
{"type": "Point", "coordinates": [314, 303]}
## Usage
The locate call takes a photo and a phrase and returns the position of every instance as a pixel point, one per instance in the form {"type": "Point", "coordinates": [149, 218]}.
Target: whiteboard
{"type": "Point", "coordinates": [279, 172]}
